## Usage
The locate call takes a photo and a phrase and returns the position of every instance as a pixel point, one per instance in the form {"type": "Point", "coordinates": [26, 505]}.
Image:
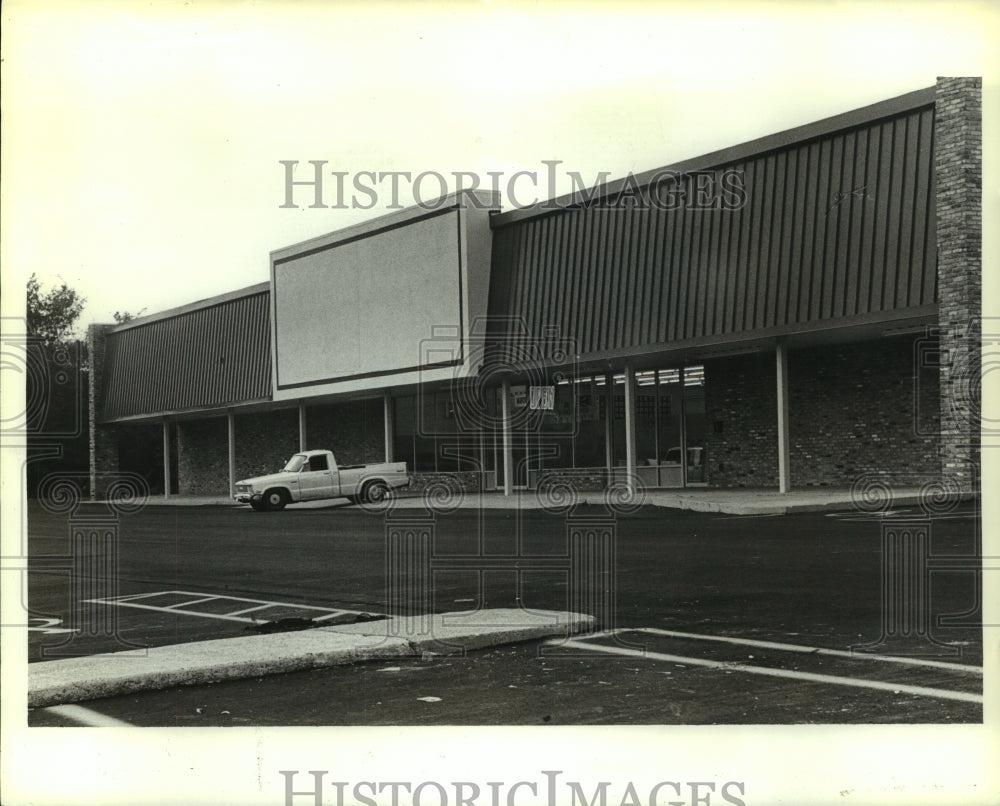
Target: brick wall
{"type": "Point", "coordinates": [353, 430]}
{"type": "Point", "coordinates": [853, 409]}
{"type": "Point", "coordinates": [467, 481]}
{"type": "Point", "coordinates": [140, 451]}
{"type": "Point", "coordinates": [265, 441]}
{"type": "Point", "coordinates": [741, 441]}
{"type": "Point", "coordinates": [103, 438]}
{"type": "Point", "coordinates": [958, 174]}
{"type": "Point", "coordinates": [203, 457]}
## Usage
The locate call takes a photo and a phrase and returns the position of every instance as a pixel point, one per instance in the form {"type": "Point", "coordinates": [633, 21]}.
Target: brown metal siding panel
{"type": "Point", "coordinates": [711, 227]}
{"type": "Point", "coordinates": [677, 256]}
{"type": "Point", "coordinates": [703, 267]}
{"type": "Point", "coordinates": [866, 240]}
{"type": "Point", "coordinates": [619, 250]}
{"type": "Point", "coordinates": [929, 284]}
{"type": "Point", "coordinates": [660, 273]}
{"type": "Point", "coordinates": [617, 246]}
{"type": "Point", "coordinates": [751, 273]}
{"type": "Point", "coordinates": [787, 228]}
{"type": "Point", "coordinates": [906, 213]}
{"type": "Point", "coordinates": [570, 296]}
{"type": "Point", "coordinates": [922, 157]}
{"type": "Point", "coordinates": [852, 261]}
{"type": "Point", "coordinates": [824, 300]}
{"type": "Point", "coordinates": [741, 266]}
{"type": "Point", "coordinates": [636, 304]}
{"type": "Point", "coordinates": [839, 226]}
{"type": "Point", "coordinates": [893, 200]}
{"type": "Point", "coordinates": [644, 328]}
{"type": "Point", "coordinates": [735, 218]}
{"type": "Point", "coordinates": [707, 288]}
{"type": "Point", "coordinates": [211, 357]}
{"type": "Point", "coordinates": [880, 236]}
{"type": "Point", "coordinates": [609, 276]}
{"type": "Point", "coordinates": [770, 254]}
{"type": "Point", "coordinates": [580, 315]}
{"type": "Point", "coordinates": [843, 266]}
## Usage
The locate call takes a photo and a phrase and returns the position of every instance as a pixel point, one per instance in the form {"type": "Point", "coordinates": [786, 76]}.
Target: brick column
{"type": "Point", "coordinates": [103, 438]}
{"type": "Point", "coordinates": [958, 169]}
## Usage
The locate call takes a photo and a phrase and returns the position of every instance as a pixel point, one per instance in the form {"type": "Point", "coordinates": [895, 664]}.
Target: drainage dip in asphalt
{"type": "Point", "coordinates": [293, 623]}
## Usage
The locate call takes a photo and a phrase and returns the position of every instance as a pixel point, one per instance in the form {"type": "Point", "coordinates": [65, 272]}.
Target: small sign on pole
{"type": "Point", "coordinates": [542, 397]}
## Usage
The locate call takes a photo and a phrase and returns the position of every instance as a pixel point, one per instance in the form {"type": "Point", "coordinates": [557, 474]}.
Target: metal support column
{"type": "Point", "coordinates": [389, 426]}
{"type": "Point", "coordinates": [683, 430]}
{"type": "Point", "coordinates": [166, 459]}
{"type": "Point", "coordinates": [302, 427]}
{"type": "Point", "coordinates": [784, 471]}
{"type": "Point", "coordinates": [630, 463]}
{"type": "Point", "coordinates": [609, 425]}
{"type": "Point", "coordinates": [508, 447]}
{"type": "Point", "coordinates": [231, 433]}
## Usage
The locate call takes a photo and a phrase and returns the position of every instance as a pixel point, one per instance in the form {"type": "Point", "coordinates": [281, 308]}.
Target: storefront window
{"type": "Point", "coordinates": [590, 437]}
{"type": "Point", "coordinates": [572, 434]}
{"type": "Point", "coordinates": [670, 403]}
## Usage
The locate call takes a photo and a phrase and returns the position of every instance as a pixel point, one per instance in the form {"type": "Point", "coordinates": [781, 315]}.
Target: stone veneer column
{"type": "Point", "coordinates": [958, 172]}
{"type": "Point", "coordinates": [103, 438]}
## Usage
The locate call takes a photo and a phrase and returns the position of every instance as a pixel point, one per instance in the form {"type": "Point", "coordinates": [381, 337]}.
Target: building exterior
{"type": "Point", "coordinates": [800, 310]}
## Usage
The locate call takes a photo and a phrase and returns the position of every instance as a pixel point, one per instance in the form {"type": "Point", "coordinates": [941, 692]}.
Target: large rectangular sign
{"type": "Point", "coordinates": [361, 307]}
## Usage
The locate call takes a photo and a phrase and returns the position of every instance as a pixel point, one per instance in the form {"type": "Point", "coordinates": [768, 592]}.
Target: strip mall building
{"type": "Point", "coordinates": [822, 329]}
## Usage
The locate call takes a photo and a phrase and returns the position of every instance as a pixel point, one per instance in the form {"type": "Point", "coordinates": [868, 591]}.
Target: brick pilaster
{"type": "Point", "coordinates": [103, 438]}
{"type": "Point", "coordinates": [958, 167]}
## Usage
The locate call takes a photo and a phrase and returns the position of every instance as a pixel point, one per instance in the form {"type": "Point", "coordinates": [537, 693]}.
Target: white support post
{"type": "Point", "coordinates": [302, 426]}
{"type": "Point", "coordinates": [630, 463]}
{"type": "Point", "coordinates": [508, 448]}
{"type": "Point", "coordinates": [166, 459]}
{"type": "Point", "coordinates": [784, 470]}
{"type": "Point", "coordinates": [609, 425]}
{"type": "Point", "coordinates": [684, 430]}
{"type": "Point", "coordinates": [231, 434]}
{"type": "Point", "coordinates": [389, 426]}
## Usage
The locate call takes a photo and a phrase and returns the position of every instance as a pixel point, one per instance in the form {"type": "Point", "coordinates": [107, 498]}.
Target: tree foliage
{"type": "Point", "coordinates": [121, 317]}
{"type": "Point", "coordinates": [52, 315]}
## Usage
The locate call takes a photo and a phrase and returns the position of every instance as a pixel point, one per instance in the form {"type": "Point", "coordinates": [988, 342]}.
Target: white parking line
{"type": "Point", "coordinates": [895, 688]}
{"type": "Point", "coordinates": [237, 615]}
{"type": "Point", "coordinates": [807, 650]}
{"type": "Point", "coordinates": [84, 716]}
{"type": "Point", "coordinates": [191, 602]}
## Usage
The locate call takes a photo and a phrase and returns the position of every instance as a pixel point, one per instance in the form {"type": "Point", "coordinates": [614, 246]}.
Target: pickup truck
{"type": "Point", "coordinates": [315, 475]}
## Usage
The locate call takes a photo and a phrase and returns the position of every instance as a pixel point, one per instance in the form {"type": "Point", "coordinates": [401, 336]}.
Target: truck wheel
{"type": "Point", "coordinates": [258, 506]}
{"type": "Point", "coordinates": [375, 492]}
{"type": "Point", "coordinates": [275, 500]}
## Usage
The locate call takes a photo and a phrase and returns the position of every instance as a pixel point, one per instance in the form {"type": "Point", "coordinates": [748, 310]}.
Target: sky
{"type": "Point", "coordinates": [142, 143]}
{"type": "Point", "coordinates": [141, 164]}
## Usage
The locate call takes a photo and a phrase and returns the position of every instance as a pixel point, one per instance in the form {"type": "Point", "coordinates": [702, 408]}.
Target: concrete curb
{"type": "Point", "coordinates": [763, 502]}
{"type": "Point", "coordinates": [97, 676]}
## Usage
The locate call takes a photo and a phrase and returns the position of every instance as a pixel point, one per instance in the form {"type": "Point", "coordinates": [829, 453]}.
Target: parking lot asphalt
{"type": "Point", "coordinates": [811, 580]}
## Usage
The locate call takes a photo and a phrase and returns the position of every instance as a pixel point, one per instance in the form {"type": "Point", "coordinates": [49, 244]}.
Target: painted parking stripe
{"type": "Point", "coordinates": [807, 650]}
{"type": "Point", "coordinates": [895, 688]}
{"type": "Point", "coordinates": [238, 613]}
{"type": "Point", "coordinates": [84, 716]}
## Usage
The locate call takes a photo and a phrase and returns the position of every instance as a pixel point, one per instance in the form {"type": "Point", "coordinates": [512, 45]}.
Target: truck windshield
{"type": "Point", "coordinates": [295, 463]}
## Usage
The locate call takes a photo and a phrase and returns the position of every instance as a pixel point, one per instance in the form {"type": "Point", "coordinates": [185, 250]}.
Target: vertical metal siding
{"type": "Point", "coordinates": [209, 357]}
{"type": "Point", "coordinates": [835, 227]}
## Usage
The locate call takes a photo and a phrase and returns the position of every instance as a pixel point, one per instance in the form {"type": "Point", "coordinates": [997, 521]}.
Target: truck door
{"type": "Point", "coordinates": [318, 480]}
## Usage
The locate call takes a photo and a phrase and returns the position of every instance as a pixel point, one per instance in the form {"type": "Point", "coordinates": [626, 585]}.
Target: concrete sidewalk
{"type": "Point", "coordinates": [72, 680]}
{"type": "Point", "coordinates": [743, 501]}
